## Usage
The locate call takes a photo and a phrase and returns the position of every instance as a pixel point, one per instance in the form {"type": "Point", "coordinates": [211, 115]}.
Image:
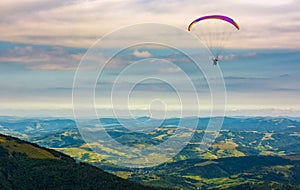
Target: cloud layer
{"type": "Point", "coordinates": [42, 43]}
{"type": "Point", "coordinates": [80, 22]}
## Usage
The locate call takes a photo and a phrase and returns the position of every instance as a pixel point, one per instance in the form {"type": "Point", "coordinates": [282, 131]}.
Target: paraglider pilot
{"type": "Point", "coordinates": [215, 60]}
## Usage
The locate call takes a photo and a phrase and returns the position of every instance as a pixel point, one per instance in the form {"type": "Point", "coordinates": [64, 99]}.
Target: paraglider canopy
{"type": "Point", "coordinates": [214, 31]}
{"type": "Point", "coordinates": [220, 17]}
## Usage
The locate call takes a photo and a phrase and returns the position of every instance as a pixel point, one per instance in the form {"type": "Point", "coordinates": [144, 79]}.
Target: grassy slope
{"type": "Point", "coordinates": [27, 166]}
{"type": "Point", "coordinates": [255, 172]}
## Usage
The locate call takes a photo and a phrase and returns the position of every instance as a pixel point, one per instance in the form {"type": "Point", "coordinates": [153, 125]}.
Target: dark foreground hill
{"type": "Point", "coordinates": [27, 166]}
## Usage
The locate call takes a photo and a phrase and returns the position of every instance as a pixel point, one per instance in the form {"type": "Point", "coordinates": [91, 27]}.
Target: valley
{"type": "Point", "coordinates": [248, 152]}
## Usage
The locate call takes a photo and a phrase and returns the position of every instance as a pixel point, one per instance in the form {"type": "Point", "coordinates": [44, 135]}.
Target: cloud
{"type": "Point", "coordinates": [170, 70]}
{"type": "Point", "coordinates": [258, 84]}
{"type": "Point", "coordinates": [41, 58]}
{"type": "Point", "coordinates": [244, 78]}
{"type": "Point", "coordinates": [227, 57]}
{"type": "Point", "coordinates": [79, 22]}
{"type": "Point", "coordinates": [154, 87]}
{"type": "Point", "coordinates": [250, 54]}
{"type": "Point", "coordinates": [23, 54]}
{"type": "Point", "coordinates": [285, 76]}
{"type": "Point", "coordinates": [49, 66]}
{"type": "Point", "coordinates": [267, 4]}
{"type": "Point", "coordinates": [141, 54]}
{"type": "Point", "coordinates": [231, 111]}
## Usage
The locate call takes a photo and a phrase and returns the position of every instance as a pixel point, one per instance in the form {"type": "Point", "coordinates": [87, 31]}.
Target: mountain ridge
{"type": "Point", "coordinates": [25, 166]}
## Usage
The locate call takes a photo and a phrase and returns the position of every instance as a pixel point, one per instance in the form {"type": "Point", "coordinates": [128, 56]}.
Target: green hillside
{"type": "Point", "coordinates": [27, 166]}
{"type": "Point", "coordinates": [248, 153]}
{"type": "Point", "coordinates": [249, 172]}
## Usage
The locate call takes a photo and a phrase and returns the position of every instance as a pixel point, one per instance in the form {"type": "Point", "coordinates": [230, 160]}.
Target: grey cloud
{"type": "Point", "coordinates": [41, 58]}
{"type": "Point", "coordinates": [285, 76]}
{"type": "Point", "coordinates": [244, 78]}
{"type": "Point", "coordinates": [154, 87]}
{"type": "Point", "coordinates": [287, 89]}
{"type": "Point", "coordinates": [257, 84]}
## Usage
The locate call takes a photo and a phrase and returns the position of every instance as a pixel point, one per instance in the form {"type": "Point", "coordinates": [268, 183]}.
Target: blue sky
{"type": "Point", "coordinates": [42, 43]}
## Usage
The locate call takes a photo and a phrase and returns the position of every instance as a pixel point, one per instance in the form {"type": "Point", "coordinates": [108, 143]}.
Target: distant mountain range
{"type": "Point", "coordinates": [34, 126]}
{"type": "Point", "coordinates": [251, 135]}
{"type": "Point", "coordinates": [263, 151]}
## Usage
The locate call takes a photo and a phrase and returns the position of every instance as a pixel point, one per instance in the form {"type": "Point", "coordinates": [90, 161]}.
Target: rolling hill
{"type": "Point", "coordinates": [248, 172]}
{"type": "Point", "coordinates": [26, 165]}
{"type": "Point", "coordinates": [248, 152]}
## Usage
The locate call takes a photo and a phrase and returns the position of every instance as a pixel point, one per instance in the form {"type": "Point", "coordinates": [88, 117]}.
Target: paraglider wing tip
{"type": "Point", "coordinates": [236, 25]}
{"type": "Point", "coordinates": [190, 26]}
